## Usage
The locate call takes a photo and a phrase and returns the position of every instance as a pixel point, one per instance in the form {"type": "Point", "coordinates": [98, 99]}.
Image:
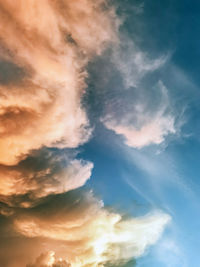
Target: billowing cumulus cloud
{"type": "Point", "coordinates": [44, 49]}
{"type": "Point", "coordinates": [142, 126]}
{"type": "Point", "coordinates": [90, 234]}
{"type": "Point", "coordinates": [51, 42]}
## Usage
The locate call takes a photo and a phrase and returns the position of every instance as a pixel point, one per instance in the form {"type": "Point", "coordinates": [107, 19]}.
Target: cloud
{"type": "Point", "coordinates": [144, 126]}
{"type": "Point", "coordinates": [45, 259]}
{"type": "Point", "coordinates": [52, 43]}
{"type": "Point", "coordinates": [45, 47]}
{"type": "Point", "coordinates": [90, 234]}
{"type": "Point", "coordinates": [42, 174]}
{"type": "Point", "coordinates": [133, 63]}
{"type": "Point", "coordinates": [48, 260]}
{"type": "Point", "coordinates": [151, 133]}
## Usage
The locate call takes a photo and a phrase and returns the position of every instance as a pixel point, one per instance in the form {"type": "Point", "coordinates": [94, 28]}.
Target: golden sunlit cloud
{"type": "Point", "coordinates": [91, 235]}
{"type": "Point", "coordinates": [48, 259]}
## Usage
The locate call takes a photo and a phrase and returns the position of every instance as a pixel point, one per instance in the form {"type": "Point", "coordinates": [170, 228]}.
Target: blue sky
{"type": "Point", "coordinates": [164, 176]}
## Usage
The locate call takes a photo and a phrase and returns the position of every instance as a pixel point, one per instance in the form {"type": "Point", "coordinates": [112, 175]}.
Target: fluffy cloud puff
{"type": "Point", "coordinates": [43, 173]}
{"type": "Point", "coordinates": [140, 126]}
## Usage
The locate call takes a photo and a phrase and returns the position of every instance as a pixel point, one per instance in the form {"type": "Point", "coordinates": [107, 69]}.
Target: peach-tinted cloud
{"type": "Point", "coordinates": [153, 132]}
{"type": "Point", "coordinates": [52, 41]}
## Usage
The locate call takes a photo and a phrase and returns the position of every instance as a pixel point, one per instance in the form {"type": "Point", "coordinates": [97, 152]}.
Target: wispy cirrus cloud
{"type": "Point", "coordinates": [133, 63]}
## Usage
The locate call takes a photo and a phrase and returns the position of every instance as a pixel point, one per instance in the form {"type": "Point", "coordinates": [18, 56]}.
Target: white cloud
{"type": "Point", "coordinates": [143, 127]}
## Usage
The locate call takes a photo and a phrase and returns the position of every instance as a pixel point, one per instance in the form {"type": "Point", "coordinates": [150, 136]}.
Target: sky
{"type": "Point", "coordinates": [99, 133]}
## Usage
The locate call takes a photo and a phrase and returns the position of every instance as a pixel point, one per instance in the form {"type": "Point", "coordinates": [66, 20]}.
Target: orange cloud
{"type": "Point", "coordinates": [53, 41]}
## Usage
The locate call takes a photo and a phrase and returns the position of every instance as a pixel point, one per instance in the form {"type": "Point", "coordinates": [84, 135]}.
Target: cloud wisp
{"type": "Point", "coordinates": [133, 63]}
